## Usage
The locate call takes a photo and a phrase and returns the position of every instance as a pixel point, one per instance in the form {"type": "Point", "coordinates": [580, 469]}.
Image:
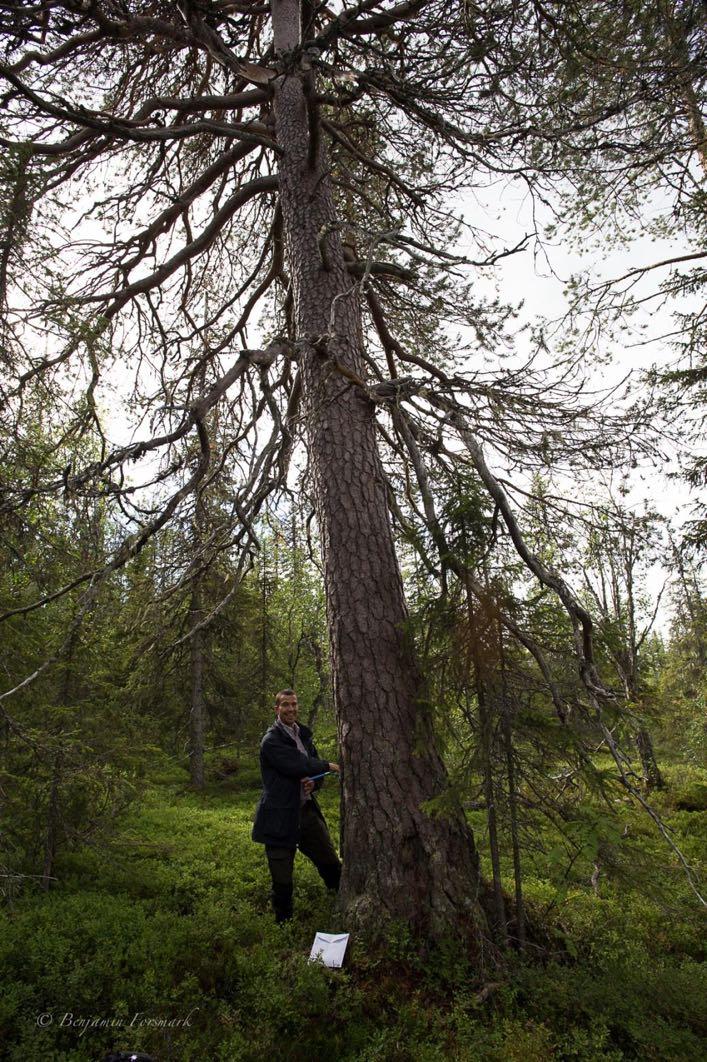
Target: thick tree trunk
{"type": "Point", "coordinates": [400, 861]}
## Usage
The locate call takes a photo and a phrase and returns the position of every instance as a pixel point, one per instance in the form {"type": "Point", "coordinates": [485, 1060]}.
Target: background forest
{"type": "Point", "coordinates": [272, 417]}
{"type": "Point", "coordinates": [128, 888]}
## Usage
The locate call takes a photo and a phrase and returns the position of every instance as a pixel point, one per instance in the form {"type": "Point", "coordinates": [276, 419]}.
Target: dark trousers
{"type": "Point", "coordinates": [313, 840]}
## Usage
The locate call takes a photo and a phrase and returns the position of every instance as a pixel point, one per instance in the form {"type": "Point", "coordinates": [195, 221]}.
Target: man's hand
{"type": "Point", "coordinates": [334, 767]}
{"type": "Point", "coordinates": [307, 786]}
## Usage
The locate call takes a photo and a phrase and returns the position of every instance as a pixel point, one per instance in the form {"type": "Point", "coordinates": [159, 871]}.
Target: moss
{"type": "Point", "coordinates": [170, 922]}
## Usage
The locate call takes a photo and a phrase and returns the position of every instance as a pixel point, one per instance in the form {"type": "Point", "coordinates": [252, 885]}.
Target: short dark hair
{"type": "Point", "coordinates": [281, 696]}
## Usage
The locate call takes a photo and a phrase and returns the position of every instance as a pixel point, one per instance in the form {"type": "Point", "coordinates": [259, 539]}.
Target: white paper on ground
{"type": "Point", "coordinates": [329, 948]}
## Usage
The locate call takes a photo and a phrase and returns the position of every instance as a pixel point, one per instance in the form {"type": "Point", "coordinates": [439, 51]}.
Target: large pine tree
{"type": "Point", "coordinates": [288, 165]}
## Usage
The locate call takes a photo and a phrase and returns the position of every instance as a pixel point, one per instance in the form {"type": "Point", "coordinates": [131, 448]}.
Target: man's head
{"type": "Point", "coordinates": [286, 706]}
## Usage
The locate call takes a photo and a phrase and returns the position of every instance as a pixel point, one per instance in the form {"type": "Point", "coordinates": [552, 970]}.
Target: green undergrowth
{"type": "Point", "coordinates": [162, 941]}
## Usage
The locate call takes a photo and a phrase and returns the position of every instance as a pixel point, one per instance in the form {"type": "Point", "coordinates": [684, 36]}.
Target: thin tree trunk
{"type": "Point", "coordinates": [486, 726]}
{"type": "Point", "coordinates": [197, 642]}
{"type": "Point", "coordinates": [266, 694]}
{"type": "Point", "coordinates": [53, 814]}
{"type": "Point", "coordinates": [487, 769]}
{"type": "Point", "coordinates": [507, 729]}
{"type": "Point", "coordinates": [53, 819]}
{"type": "Point", "coordinates": [690, 595]}
{"type": "Point", "coordinates": [652, 778]}
{"type": "Point", "coordinates": [320, 668]}
{"type": "Point", "coordinates": [400, 861]}
{"type": "Point", "coordinates": [196, 713]}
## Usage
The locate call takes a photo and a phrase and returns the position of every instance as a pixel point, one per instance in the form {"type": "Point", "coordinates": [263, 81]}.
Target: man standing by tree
{"type": "Point", "coordinates": [288, 816]}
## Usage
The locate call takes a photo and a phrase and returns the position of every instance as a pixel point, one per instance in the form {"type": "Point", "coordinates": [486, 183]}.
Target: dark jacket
{"type": "Point", "coordinates": [283, 767]}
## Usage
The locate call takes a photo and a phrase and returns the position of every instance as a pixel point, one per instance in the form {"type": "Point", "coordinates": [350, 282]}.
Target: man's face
{"type": "Point", "coordinates": [286, 710]}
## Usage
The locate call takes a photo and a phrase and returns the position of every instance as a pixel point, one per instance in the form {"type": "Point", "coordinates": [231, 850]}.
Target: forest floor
{"type": "Point", "coordinates": [159, 938]}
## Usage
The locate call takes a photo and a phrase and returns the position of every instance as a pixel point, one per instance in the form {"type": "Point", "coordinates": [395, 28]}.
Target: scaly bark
{"type": "Point", "coordinates": [400, 861]}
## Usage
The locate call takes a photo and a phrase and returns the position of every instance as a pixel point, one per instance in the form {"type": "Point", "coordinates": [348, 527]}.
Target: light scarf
{"type": "Point", "coordinates": [293, 732]}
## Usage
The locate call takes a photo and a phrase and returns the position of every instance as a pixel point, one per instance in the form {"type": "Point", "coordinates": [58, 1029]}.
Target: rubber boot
{"type": "Point", "coordinates": [282, 902]}
{"type": "Point", "coordinates": [330, 873]}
